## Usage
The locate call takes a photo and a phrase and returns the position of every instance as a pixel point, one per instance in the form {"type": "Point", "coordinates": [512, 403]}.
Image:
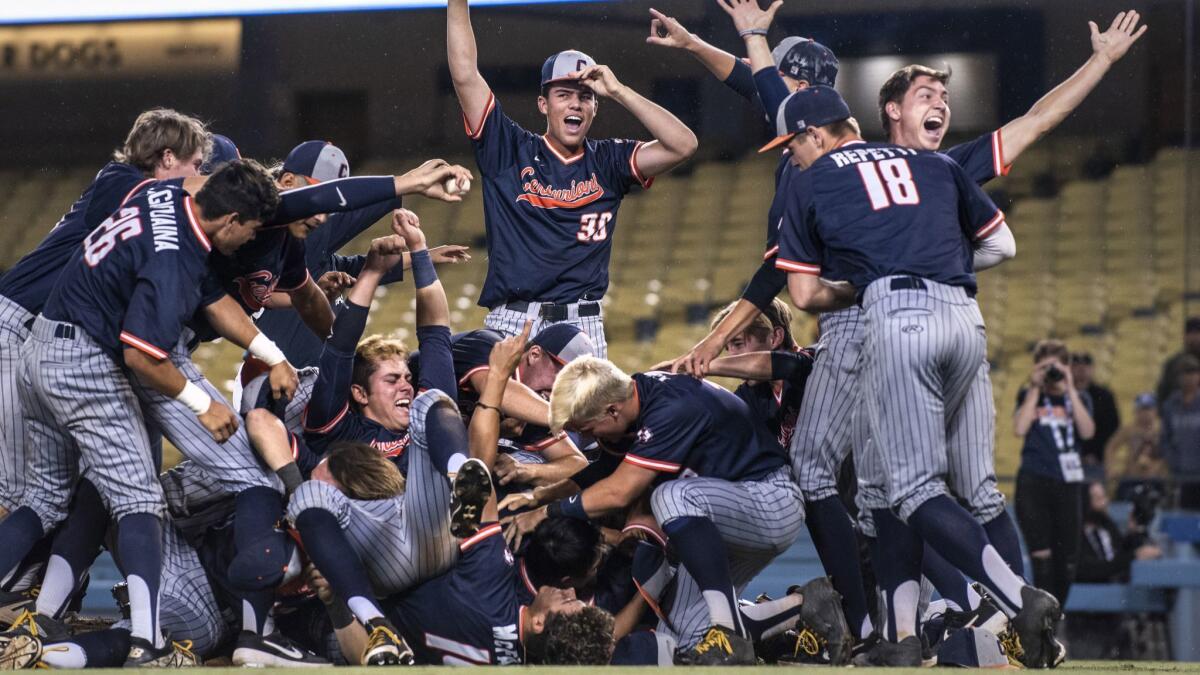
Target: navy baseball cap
{"type": "Point", "coordinates": [564, 342]}
{"type": "Point", "coordinates": [815, 106]}
{"type": "Point", "coordinates": [223, 150]}
{"type": "Point", "coordinates": [806, 59]}
{"type": "Point", "coordinates": [318, 161]}
{"type": "Point", "coordinates": [562, 64]}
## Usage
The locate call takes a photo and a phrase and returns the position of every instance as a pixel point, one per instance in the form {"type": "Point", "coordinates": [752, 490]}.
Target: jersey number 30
{"type": "Point", "coordinates": [123, 224]}
{"type": "Point", "coordinates": [593, 226]}
{"type": "Point", "coordinates": [895, 187]}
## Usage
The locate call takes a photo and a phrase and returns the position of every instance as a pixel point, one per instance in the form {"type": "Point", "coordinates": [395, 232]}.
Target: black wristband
{"type": "Point", "coordinates": [290, 475]}
{"type": "Point", "coordinates": [571, 507]}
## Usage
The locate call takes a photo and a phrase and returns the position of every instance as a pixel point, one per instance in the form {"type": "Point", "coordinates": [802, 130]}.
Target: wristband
{"type": "Point", "coordinates": [195, 398]}
{"type": "Point", "coordinates": [481, 404]}
{"type": "Point", "coordinates": [266, 351]}
{"type": "Point", "coordinates": [339, 614]}
{"type": "Point", "coordinates": [422, 269]}
{"type": "Point", "coordinates": [290, 475]}
{"type": "Point", "coordinates": [571, 507]}
{"type": "Point", "coordinates": [752, 31]}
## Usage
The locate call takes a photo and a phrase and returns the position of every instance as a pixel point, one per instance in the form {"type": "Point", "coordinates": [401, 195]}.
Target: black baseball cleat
{"type": "Point", "coordinates": [1031, 639]}
{"type": "Point", "coordinates": [30, 622]}
{"type": "Point", "coordinates": [142, 654]}
{"type": "Point", "coordinates": [273, 650]}
{"type": "Point", "coordinates": [12, 603]}
{"type": "Point", "coordinates": [720, 646]}
{"type": "Point", "coordinates": [385, 647]}
{"type": "Point", "coordinates": [864, 645]}
{"type": "Point", "coordinates": [822, 617]}
{"type": "Point", "coordinates": [468, 495]}
{"type": "Point", "coordinates": [906, 653]}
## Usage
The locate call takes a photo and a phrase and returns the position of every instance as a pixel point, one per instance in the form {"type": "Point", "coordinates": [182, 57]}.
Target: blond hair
{"type": "Point", "coordinates": [584, 388]}
{"type": "Point", "coordinates": [372, 351]}
{"type": "Point", "coordinates": [158, 130]}
{"type": "Point", "coordinates": [777, 315]}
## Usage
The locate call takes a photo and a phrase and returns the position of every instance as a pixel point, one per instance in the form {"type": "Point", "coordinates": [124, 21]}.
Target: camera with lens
{"type": "Point", "coordinates": [1145, 499]}
{"type": "Point", "coordinates": [1054, 374]}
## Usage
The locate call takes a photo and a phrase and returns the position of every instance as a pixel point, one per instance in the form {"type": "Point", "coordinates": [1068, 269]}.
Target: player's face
{"type": "Point", "coordinates": [804, 150]}
{"type": "Point", "coordinates": [389, 395]}
{"type": "Point", "coordinates": [551, 600]}
{"type": "Point", "coordinates": [538, 371]}
{"type": "Point", "coordinates": [171, 166]}
{"type": "Point", "coordinates": [569, 111]}
{"type": "Point", "coordinates": [611, 426]}
{"type": "Point", "coordinates": [745, 342]}
{"type": "Point", "coordinates": [233, 234]}
{"type": "Point", "coordinates": [924, 115]}
{"type": "Point", "coordinates": [300, 229]}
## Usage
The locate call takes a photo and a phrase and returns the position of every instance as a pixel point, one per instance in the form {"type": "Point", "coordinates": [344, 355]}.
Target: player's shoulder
{"type": "Point", "coordinates": [484, 335]}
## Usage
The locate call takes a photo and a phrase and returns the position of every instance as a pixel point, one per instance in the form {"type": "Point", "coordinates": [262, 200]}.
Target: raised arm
{"type": "Point", "coordinates": [666, 31]}
{"type": "Point", "coordinates": [469, 85]}
{"type": "Point", "coordinates": [1050, 110]}
{"type": "Point", "coordinates": [432, 307]}
{"type": "Point", "coordinates": [673, 141]}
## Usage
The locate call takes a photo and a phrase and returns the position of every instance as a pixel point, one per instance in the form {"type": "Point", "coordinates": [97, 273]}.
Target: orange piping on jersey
{"type": "Point", "coordinates": [189, 206]}
{"type": "Point", "coordinates": [991, 225]}
{"type": "Point", "coordinates": [479, 536]}
{"type": "Point", "coordinates": [802, 268]}
{"type": "Point", "coordinates": [770, 252]}
{"type": "Point", "coordinates": [637, 173]}
{"type": "Point", "coordinates": [653, 464]}
{"type": "Point", "coordinates": [328, 427]}
{"type": "Point", "coordinates": [561, 157]}
{"type": "Point", "coordinates": [142, 346]}
{"type": "Point", "coordinates": [487, 110]}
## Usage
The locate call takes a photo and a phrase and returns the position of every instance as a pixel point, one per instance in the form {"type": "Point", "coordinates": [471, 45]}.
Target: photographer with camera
{"type": "Point", "coordinates": [1053, 418]}
{"type": "Point", "coordinates": [1107, 553]}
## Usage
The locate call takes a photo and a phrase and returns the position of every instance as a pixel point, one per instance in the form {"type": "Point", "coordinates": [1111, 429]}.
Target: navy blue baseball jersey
{"type": "Point", "coordinates": [136, 278]}
{"type": "Point", "coordinates": [549, 218]}
{"type": "Point", "coordinates": [611, 590]}
{"type": "Point", "coordinates": [468, 616]}
{"type": "Point", "coordinates": [982, 158]}
{"type": "Point", "coordinates": [330, 417]}
{"type": "Point", "coordinates": [284, 326]}
{"type": "Point", "coordinates": [871, 210]}
{"type": "Point", "coordinates": [776, 403]}
{"type": "Point", "coordinates": [31, 279]}
{"type": "Point", "coordinates": [694, 427]}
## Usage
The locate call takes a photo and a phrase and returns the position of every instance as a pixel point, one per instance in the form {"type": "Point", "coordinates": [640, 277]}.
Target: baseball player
{"type": "Point", "coordinates": [817, 455]}
{"type": "Point", "coordinates": [161, 144]}
{"type": "Point", "coordinates": [727, 516]}
{"type": "Point", "coordinates": [108, 310]}
{"type": "Point", "coordinates": [908, 247]}
{"type": "Point", "coordinates": [551, 200]}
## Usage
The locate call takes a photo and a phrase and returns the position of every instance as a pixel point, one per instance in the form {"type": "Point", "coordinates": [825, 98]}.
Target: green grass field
{"type": "Point", "coordinates": [1075, 666]}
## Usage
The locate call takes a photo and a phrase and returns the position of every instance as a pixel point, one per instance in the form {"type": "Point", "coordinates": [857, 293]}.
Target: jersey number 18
{"type": "Point", "coordinates": [895, 187]}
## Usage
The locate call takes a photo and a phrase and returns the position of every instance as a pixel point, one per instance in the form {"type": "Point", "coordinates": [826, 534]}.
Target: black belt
{"type": "Point", "coordinates": [64, 331]}
{"type": "Point", "coordinates": [908, 284]}
{"type": "Point", "coordinates": [552, 312]}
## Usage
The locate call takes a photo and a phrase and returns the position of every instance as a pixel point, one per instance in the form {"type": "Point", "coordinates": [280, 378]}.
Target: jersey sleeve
{"type": "Point", "coordinates": [115, 185]}
{"type": "Point", "coordinates": [436, 370]}
{"type": "Point", "coordinates": [800, 246]}
{"type": "Point", "coordinates": [330, 402]}
{"type": "Point", "coordinates": [153, 319]}
{"type": "Point", "coordinates": [767, 282]}
{"type": "Point", "coordinates": [978, 215]}
{"type": "Point", "coordinates": [295, 268]}
{"type": "Point", "coordinates": [341, 228]}
{"type": "Point", "coordinates": [741, 81]}
{"type": "Point", "coordinates": [982, 159]}
{"type": "Point", "coordinates": [335, 196]}
{"type": "Point", "coordinates": [471, 352]}
{"type": "Point", "coordinates": [495, 137]}
{"type": "Point", "coordinates": [771, 90]}
{"type": "Point", "coordinates": [618, 159]}
{"type": "Point", "coordinates": [668, 431]}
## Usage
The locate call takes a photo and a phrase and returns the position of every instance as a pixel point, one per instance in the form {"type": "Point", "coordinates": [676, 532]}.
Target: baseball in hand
{"type": "Point", "coordinates": [456, 186]}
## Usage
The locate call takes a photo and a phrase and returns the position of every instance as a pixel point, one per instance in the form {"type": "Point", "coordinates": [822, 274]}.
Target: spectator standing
{"type": "Point", "coordinates": [1168, 382]}
{"type": "Point", "coordinates": [1053, 417]}
{"type": "Point", "coordinates": [1104, 414]}
{"type": "Point", "coordinates": [1181, 431]}
{"type": "Point", "coordinates": [1134, 449]}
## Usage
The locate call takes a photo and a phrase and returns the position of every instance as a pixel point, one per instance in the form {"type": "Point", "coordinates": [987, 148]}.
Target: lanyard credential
{"type": "Point", "coordinates": [1064, 439]}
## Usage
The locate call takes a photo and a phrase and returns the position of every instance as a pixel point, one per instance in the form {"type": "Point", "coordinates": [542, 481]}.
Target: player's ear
{"type": "Point", "coordinates": [543, 105]}
{"type": "Point", "coordinates": [892, 108]}
{"type": "Point", "coordinates": [776, 337]}
{"type": "Point", "coordinates": [358, 394]}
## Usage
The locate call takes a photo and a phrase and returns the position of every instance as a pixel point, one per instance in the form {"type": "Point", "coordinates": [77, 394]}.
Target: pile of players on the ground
{"type": "Point", "coordinates": [506, 495]}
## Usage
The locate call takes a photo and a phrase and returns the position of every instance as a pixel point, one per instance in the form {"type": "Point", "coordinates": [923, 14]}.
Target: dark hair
{"type": "Point", "coordinates": [241, 186]}
{"type": "Point", "coordinates": [363, 472]}
{"type": "Point", "coordinates": [896, 86]}
{"type": "Point", "coordinates": [583, 638]}
{"type": "Point", "coordinates": [158, 130]}
{"type": "Point", "coordinates": [561, 546]}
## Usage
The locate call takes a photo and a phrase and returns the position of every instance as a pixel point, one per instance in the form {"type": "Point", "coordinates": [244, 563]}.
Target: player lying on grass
{"type": "Point", "coordinates": [551, 200]}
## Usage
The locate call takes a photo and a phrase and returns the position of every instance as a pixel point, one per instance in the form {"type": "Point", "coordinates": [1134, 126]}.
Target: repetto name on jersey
{"type": "Point", "coordinates": [162, 220]}
{"type": "Point", "coordinates": [857, 155]}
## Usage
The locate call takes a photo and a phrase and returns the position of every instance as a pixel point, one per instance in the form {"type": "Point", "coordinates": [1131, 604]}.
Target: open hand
{"type": "Point", "coordinates": [1120, 36]}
